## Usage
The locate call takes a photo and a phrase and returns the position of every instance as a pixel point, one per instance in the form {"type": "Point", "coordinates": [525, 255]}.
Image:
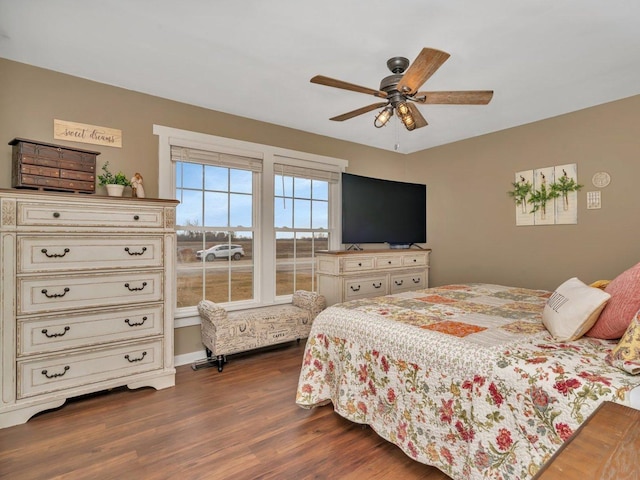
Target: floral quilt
{"type": "Point", "coordinates": [463, 377]}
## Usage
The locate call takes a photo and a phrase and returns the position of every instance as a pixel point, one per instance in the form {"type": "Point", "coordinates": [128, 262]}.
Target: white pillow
{"type": "Point", "coordinates": [573, 309]}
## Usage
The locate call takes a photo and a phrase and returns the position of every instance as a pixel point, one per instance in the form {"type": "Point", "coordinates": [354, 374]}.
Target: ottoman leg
{"type": "Point", "coordinates": [220, 362]}
{"type": "Point", "coordinates": [207, 362]}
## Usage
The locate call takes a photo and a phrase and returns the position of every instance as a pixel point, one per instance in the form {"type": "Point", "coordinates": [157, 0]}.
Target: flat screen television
{"type": "Point", "coordinates": [383, 211]}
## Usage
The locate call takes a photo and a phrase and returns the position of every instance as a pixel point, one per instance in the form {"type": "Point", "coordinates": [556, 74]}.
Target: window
{"type": "Point", "coordinates": [301, 213]}
{"type": "Point", "coordinates": [249, 220]}
{"type": "Point", "coordinates": [216, 208]}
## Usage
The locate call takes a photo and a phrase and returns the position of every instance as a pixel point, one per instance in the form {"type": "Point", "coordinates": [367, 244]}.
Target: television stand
{"type": "Point", "coordinates": [348, 275]}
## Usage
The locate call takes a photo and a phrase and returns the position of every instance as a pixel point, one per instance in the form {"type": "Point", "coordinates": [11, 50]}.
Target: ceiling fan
{"type": "Point", "coordinates": [400, 91]}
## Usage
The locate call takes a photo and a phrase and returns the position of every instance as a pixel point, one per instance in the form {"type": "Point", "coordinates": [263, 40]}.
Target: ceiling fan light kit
{"type": "Point", "coordinates": [401, 88]}
{"type": "Point", "coordinates": [383, 116]}
{"type": "Point", "coordinates": [408, 122]}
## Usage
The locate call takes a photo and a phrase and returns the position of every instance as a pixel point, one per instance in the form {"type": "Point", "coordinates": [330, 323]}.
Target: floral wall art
{"type": "Point", "coordinates": [546, 196]}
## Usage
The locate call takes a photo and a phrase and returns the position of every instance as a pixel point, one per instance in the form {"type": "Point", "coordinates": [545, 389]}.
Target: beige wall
{"type": "Point", "coordinates": [30, 98]}
{"type": "Point", "coordinates": [471, 220]}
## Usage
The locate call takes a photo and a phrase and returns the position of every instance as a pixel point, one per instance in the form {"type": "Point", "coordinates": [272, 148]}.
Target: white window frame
{"type": "Point", "coordinates": [286, 169]}
{"type": "Point", "coordinates": [264, 241]}
{"type": "Point", "coordinates": [255, 189]}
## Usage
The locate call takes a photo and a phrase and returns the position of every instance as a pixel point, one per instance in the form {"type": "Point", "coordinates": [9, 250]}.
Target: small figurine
{"type": "Point", "coordinates": [136, 186]}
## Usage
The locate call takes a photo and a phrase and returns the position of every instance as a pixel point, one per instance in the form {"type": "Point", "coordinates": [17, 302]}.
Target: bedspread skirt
{"type": "Point", "coordinates": [471, 410]}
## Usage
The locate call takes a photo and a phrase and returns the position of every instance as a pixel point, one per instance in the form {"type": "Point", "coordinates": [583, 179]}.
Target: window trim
{"type": "Point", "coordinates": [255, 198]}
{"type": "Point", "coordinates": [265, 230]}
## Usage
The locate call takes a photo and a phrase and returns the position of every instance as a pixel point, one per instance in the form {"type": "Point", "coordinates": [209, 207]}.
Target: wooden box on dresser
{"type": "Point", "coordinates": [350, 274]}
{"type": "Point", "coordinates": [53, 167]}
{"type": "Point", "coordinates": [86, 297]}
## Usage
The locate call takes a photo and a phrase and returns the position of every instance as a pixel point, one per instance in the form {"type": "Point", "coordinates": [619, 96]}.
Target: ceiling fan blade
{"type": "Point", "coordinates": [462, 97]}
{"type": "Point", "coordinates": [417, 116]}
{"type": "Point", "coordinates": [359, 111]}
{"type": "Point", "coordinates": [425, 65]}
{"type": "Point", "coordinates": [331, 82]}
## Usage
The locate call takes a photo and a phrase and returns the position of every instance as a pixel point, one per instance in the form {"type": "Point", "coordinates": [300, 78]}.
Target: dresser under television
{"type": "Point", "coordinates": [344, 275]}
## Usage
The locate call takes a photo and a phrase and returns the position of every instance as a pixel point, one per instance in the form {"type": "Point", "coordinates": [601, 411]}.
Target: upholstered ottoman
{"type": "Point", "coordinates": [225, 333]}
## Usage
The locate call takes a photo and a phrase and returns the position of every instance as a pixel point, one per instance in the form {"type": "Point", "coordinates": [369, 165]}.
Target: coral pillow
{"type": "Point", "coordinates": [573, 309]}
{"type": "Point", "coordinates": [626, 355]}
{"type": "Point", "coordinates": [624, 302]}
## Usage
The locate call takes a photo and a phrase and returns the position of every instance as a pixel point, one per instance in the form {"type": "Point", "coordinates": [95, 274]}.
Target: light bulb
{"type": "Point", "coordinates": [408, 121]}
{"type": "Point", "coordinates": [402, 108]}
{"type": "Point", "coordinates": [383, 117]}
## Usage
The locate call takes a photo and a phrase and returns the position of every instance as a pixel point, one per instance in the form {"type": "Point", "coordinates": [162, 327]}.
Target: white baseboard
{"type": "Point", "coordinates": [187, 358]}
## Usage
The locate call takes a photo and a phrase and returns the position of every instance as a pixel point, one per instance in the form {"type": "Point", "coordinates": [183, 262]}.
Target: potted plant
{"type": "Point", "coordinates": [114, 183]}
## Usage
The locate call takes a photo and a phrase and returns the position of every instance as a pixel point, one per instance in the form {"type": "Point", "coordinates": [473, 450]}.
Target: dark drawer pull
{"type": "Point", "coordinates": [56, 215]}
{"type": "Point", "coordinates": [55, 295]}
{"type": "Point", "coordinates": [135, 289]}
{"type": "Point", "coordinates": [136, 217]}
{"type": "Point", "coordinates": [55, 375]}
{"type": "Point", "coordinates": [126, 249]}
{"type": "Point", "coordinates": [55, 255]}
{"type": "Point", "coordinates": [133, 324]}
{"type": "Point", "coordinates": [133, 360]}
{"type": "Point", "coordinates": [398, 282]}
{"type": "Point", "coordinates": [54, 335]}
{"type": "Point", "coordinates": [389, 262]}
{"type": "Point", "coordinates": [355, 289]}
{"type": "Point", "coordinates": [377, 286]}
{"type": "Point", "coordinates": [359, 264]}
{"type": "Point", "coordinates": [416, 280]}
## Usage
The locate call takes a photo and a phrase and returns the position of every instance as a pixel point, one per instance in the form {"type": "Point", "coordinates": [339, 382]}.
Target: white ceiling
{"type": "Point", "coordinates": [254, 58]}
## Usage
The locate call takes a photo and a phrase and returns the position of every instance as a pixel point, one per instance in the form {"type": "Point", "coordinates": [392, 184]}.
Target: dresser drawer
{"type": "Point", "coordinates": [51, 333]}
{"type": "Point", "coordinates": [365, 287]}
{"type": "Point", "coordinates": [65, 215]}
{"type": "Point", "coordinates": [69, 292]}
{"type": "Point", "coordinates": [57, 253]}
{"type": "Point", "coordinates": [408, 281]}
{"type": "Point", "coordinates": [388, 262]}
{"type": "Point", "coordinates": [417, 259]}
{"type": "Point", "coordinates": [68, 370]}
{"type": "Point", "coordinates": [358, 264]}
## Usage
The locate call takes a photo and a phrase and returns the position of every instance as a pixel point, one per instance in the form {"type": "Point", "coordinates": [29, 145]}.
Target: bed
{"type": "Point", "coordinates": [465, 378]}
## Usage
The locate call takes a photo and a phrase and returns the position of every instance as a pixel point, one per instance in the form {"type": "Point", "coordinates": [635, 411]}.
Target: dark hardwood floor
{"type": "Point", "coordinates": [242, 423]}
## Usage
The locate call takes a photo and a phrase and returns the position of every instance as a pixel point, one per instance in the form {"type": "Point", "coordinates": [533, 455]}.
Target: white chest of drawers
{"type": "Point", "coordinates": [347, 275]}
{"type": "Point", "coordinates": [86, 297]}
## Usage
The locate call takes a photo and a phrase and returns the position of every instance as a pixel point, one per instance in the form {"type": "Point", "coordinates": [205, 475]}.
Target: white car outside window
{"type": "Point", "coordinates": [235, 252]}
